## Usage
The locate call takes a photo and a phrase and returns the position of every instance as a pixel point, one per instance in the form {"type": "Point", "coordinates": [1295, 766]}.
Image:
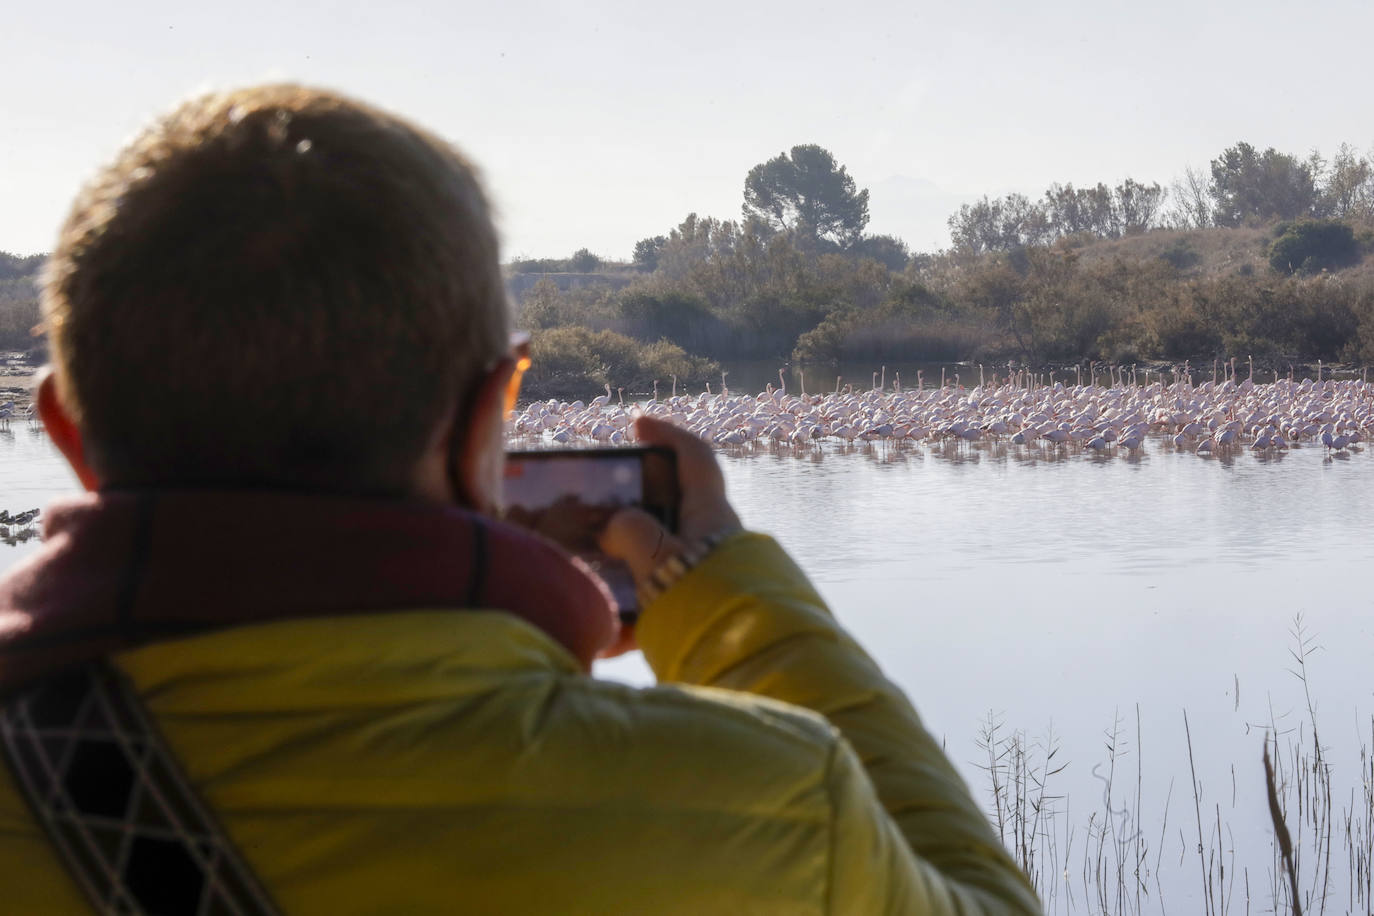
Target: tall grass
{"type": "Point", "coordinates": [1320, 849]}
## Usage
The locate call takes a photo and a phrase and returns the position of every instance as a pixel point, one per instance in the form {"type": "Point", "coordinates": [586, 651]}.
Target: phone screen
{"type": "Point", "coordinates": [567, 496]}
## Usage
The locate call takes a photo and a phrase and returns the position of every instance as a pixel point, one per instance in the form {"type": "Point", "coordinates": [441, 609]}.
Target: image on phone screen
{"type": "Point", "coordinates": [567, 496]}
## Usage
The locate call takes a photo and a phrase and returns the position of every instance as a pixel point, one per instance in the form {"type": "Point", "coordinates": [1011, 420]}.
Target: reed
{"type": "Point", "coordinates": [1116, 862]}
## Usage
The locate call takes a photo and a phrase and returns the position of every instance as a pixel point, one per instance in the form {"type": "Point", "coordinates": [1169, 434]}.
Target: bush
{"type": "Point", "coordinates": [1180, 254]}
{"type": "Point", "coordinates": [19, 313]}
{"type": "Point", "coordinates": [890, 252]}
{"type": "Point", "coordinates": [540, 266]}
{"type": "Point", "coordinates": [1361, 347]}
{"type": "Point", "coordinates": [564, 363]}
{"type": "Point", "coordinates": [575, 362]}
{"type": "Point", "coordinates": [682, 318]}
{"type": "Point", "coordinates": [1314, 245]}
{"type": "Point", "coordinates": [583, 261]}
{"type": "Point", "coordinates": [1176, 331]}
{"type": "Point", "coordinates": [913, 326]}
{"type": "Point", "coordinates": [647, 252]}
{"type": "Point", "coordinates": [662, 360]}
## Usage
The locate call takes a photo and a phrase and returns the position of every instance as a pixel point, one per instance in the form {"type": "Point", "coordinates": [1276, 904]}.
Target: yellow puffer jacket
{"type": "Point", "coordinates": [440, 762]}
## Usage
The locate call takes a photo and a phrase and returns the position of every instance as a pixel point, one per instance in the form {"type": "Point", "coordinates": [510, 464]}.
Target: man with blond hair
{"type": "Point", "coordinates": [284, 657]}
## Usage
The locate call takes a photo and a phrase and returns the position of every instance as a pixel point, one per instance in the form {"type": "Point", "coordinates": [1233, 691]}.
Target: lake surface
{"type": "Point", "coordinates": [1065, 596]}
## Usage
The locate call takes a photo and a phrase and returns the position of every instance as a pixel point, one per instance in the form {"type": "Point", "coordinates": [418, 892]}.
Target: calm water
{"type": "Point", "coordinates": [1062, 595]}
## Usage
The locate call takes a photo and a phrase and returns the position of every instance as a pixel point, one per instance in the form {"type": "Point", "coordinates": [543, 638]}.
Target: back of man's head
{"type": "Point", "coordinates": [273, 287]}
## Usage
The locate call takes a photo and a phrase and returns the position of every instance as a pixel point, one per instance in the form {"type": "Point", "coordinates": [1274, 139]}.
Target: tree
{"type": "Point", "coordinates": [1253, 187]}
{"type": "Point", "coordinates": [1069, 210]}
{"type": "Point", "coordinates": [543, 307]}
{"type": "Point", "coordinates": [1137, 206]}
{"type": "Point", "coordinates": [647, 252]}
{"type": "Point", "coordinates": [682, 318]}
{"type": "Point", "coordinates": [583, 261]}
{"type": "Point", "coordinates": [1348, 192]}
{"type": "Point", "coordinates": [1193, 205]}
{"type": "Point", "coordinates": [807, 193]}
{"type": "Point", "coordinates": [1005, 224]}
{"type": "Point", "coordinates": [887, 250]}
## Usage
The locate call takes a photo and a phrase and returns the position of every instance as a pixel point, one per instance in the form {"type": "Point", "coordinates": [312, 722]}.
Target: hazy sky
{"type": "Point", "coordinates": [598, 124]}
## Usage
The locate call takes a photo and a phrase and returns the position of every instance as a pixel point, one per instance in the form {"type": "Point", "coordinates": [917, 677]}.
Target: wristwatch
{"type": "Point", "coordinates": [666, 574]}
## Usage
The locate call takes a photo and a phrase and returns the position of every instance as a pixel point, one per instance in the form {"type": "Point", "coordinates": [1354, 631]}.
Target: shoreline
{"type": "Point", "coordinates": [17, 386]}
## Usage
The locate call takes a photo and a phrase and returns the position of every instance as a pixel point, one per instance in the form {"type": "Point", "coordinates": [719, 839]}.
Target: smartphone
{"type": "Point", "coordinates": [567, 495]}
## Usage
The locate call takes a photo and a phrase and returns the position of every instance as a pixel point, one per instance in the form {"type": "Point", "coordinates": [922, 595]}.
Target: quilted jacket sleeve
{"type": "Point", "coordinates": [907, 837]}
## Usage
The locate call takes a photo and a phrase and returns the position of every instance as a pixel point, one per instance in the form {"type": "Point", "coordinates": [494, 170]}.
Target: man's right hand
{"type": "Point", "coordinates": [638, 539]}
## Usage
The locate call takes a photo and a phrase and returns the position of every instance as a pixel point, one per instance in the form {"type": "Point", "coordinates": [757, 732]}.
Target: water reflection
{"type": "Point", "coordinates": [13, 537]}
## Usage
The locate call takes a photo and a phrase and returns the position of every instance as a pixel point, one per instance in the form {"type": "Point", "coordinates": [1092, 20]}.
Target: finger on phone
{"type": "Point", "coordinates": [636, 537]}
{"type": "Point", "coordinates": [705, 509]}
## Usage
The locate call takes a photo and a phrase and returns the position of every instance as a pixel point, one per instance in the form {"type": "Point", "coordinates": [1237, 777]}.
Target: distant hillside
{"type": "Point", "coordinates": [1193, 252]}
{"type": "Point", "coordinates": [1211, 252]}
{"type": "Point", "coordinates": [1287, 291]}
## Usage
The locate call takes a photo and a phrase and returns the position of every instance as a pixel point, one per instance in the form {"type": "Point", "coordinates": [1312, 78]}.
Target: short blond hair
{"type": "Point", "coordinates": [277, 286]}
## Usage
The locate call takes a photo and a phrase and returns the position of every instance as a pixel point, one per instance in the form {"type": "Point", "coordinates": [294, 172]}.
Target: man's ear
{"type": "Point", "coordinates": [478, 446]}
{"type": "Point", "coordinates": [63, 429]}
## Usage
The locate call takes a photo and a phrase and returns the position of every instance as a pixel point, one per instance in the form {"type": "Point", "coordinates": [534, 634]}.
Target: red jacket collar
{"type": "Point", "coordinates": [123, 569]}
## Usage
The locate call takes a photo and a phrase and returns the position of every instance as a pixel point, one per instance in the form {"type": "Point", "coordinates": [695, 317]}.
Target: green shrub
{"type": "Point", "coordinates": [1177, 331]}
{"type": "Point", "coordinates": [899, 331]}
{"type": "Point", "coordinates": [564, 363]}
{"type": "Point", "coordinates": [680, 317]}
{"type": "Point", "coordinates": [19, 313]}
{"type": "Point", "coordinates": [575, 362]}
{"type": "Point", "coordinates": [583, 261]}
{"type": "Point", "coordinates": [1180, 254]}
{"type": "Point", "coordinates": [1313, 245]}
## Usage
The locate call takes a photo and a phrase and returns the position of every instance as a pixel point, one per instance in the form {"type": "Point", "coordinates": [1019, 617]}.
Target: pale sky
{"type": "Point", "coordinates": [600, 123]}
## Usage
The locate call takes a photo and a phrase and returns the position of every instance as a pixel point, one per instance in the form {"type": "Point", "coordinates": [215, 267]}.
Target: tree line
{"type": "Point", "coordinates": [1242, 187]}
{"type": "Point", "coordinates": [1266, 258]}
{"type": "Point", "coordinates": [1265, 254]}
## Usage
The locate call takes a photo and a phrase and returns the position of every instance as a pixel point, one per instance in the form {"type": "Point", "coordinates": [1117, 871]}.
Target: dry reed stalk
{"type": "Point", "coordinates": [1197, 804]}
{"type": "Point", "coordinates": [1038, 829]}
{"type": "Point", "coordinates": [1281, 830]}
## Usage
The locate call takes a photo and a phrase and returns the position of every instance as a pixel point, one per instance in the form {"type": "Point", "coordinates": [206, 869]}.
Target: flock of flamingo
{"type": "Point", "coordinates": [1220, 417]}
{"type": "Point", "coordinates": [1223, 416]}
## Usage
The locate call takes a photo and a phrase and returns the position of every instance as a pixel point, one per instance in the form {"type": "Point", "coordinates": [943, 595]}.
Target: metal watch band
{"type": "Point", "coordinates": [667, 573]}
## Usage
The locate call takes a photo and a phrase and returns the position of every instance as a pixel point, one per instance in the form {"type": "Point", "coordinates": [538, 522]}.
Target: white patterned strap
{"type": "Point", "coordinates": [116, 804]}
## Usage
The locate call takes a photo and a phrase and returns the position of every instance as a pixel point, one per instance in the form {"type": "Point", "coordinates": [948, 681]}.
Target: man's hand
{"type": "Point", "coordinates": [639, 540]}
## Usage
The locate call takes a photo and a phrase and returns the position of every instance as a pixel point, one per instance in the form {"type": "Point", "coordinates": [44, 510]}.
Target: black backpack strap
{"type": "Point", "coordinates": [115, 803]}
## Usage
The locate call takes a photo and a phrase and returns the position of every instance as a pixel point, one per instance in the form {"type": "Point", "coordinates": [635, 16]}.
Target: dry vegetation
{"type": "Point", "coordinates": [1130, 857]}
{"type": "Point", "coordinates": [729, 292]}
